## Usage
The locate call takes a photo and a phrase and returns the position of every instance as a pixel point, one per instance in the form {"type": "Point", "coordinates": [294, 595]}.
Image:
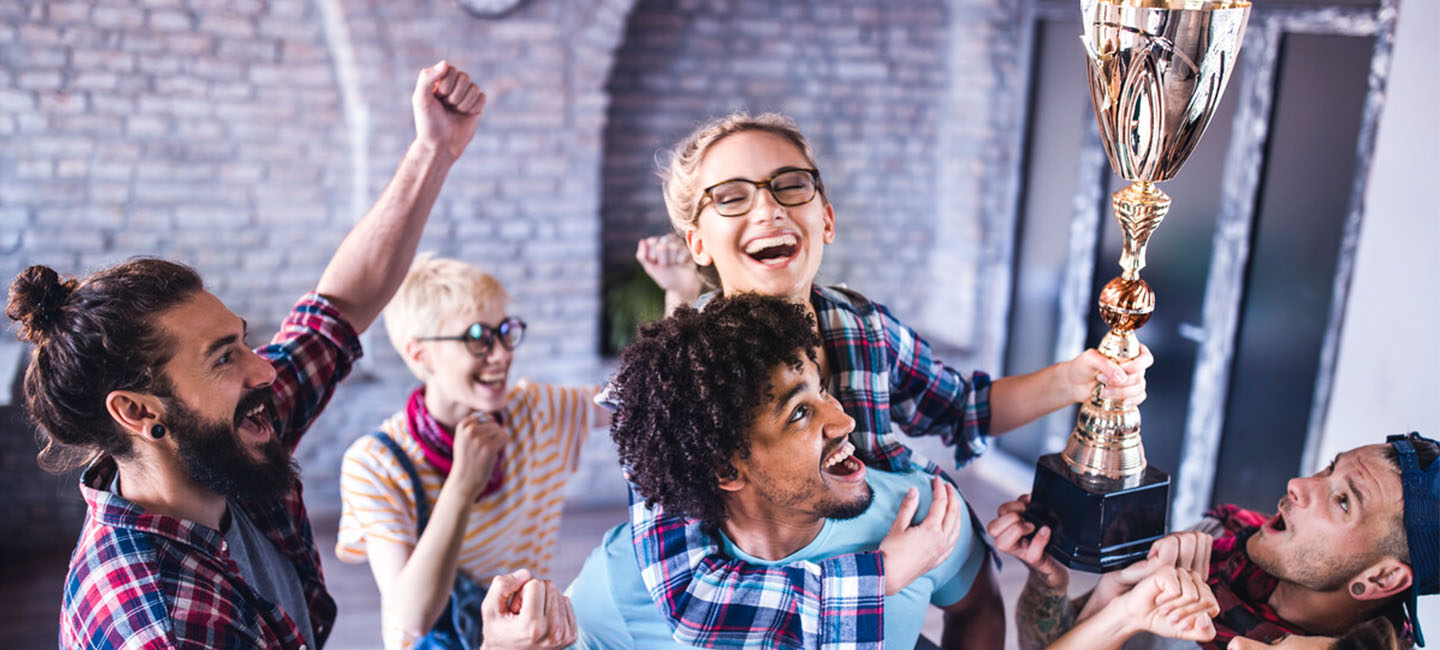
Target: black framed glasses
{"type": "Point", "coordinates": [789, 187]}
{"type": "Point", "coordinates": [479, 338]}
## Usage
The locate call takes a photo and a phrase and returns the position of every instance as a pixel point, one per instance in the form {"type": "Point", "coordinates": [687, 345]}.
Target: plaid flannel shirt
{"type": "Point", "coordinates": [143, 580]}
{"type": "Point", "coordinates": [1243, 589]}
{"type": "Point", "coordinates": [884, 374]}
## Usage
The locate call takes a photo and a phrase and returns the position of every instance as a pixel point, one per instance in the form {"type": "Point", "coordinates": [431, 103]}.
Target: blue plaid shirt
{"type": "Point", "coordinates": [884, 375]}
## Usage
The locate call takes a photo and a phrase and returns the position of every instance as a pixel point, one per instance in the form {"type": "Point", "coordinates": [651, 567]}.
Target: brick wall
{"type": "Point", "coordinates": [208, 132]}
{"type": "Point", "coordinates": [245, 137]}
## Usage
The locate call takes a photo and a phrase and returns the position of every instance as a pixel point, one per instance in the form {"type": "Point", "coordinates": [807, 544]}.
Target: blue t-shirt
{"type": "Point", "coordinates": [614, 610]}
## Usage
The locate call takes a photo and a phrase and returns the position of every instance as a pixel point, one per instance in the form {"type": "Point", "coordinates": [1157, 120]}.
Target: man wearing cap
{"type": "Point", "coordinates": [1357, 540]}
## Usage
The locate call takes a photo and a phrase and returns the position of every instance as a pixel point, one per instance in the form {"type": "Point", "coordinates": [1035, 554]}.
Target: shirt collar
{"type": "Point", "coordinates": [110, 509]}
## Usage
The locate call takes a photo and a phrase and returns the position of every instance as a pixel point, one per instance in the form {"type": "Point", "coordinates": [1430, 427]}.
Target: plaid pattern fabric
{"type": "Point", "coordinates": [142, 580]}
{"type": "Point", "coordinates": [885, 374]}
{"type": "Point", "coordinates": [1243, 589]}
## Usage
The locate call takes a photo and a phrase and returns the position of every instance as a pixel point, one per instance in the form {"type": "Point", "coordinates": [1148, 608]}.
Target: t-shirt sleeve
{"type": "Point", "coordinates": [601, 624]}
{"type": "Point", "coordinates": [375, 501]}
{"type": "Point", "coordinates": [572, 412]}
{"type": "Point", "coordinates": [961, 568]}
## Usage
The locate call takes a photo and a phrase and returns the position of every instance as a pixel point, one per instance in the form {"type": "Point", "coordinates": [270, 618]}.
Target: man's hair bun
{"type": "Point", "coordinates": [37, 301]}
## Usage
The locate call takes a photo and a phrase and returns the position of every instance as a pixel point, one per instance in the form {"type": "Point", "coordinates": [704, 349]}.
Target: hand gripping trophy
{"type": "Point", "coordinates": [1157, 70]}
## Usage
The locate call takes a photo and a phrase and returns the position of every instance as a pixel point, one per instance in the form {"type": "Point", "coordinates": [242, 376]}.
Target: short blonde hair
{"type": "Point", "coordinates": [434, 288]}
{"type": "Point", "coordinates": [680, 171]}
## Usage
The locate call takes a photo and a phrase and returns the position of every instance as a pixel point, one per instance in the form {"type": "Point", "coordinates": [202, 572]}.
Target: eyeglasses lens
{"type": "Point", "coordinates": [733, 198]}
{"type": "Point", "coordinates": [512, 332]}
{"type": "Point", "coordinates": [791, 188]}
{"type": "Point", "coordinates": [478, 339]}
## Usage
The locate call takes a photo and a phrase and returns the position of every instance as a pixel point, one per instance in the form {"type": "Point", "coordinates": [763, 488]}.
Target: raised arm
{"type": "Point", "coordinates": [1020, 399]}
{"type": "Point", "coordinates": [373, 259]}
{"type": "Point", "coordinates": [667, 261]}
{"type": "Point", "coordinates": [926, 396]}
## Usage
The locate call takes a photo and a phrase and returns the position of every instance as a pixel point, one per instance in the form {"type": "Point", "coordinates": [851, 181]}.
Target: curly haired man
{"type": "Point", "coordinates": [723, 418]}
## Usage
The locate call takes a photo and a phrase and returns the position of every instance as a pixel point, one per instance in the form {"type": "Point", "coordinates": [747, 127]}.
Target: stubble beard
{"type": "Point", "coordinates": [826, 506]}
{"type": "Point", "coordinates": [843, 510]}
{"type": "Point", "coordinates": [1309, 567]}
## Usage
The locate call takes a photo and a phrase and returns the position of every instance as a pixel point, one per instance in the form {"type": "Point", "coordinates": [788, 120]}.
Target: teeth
{"type": "Point", "coordinates": [770, 242]}
{"type": "Point", "coordinates": [255, 411]}
{"type": "Point", "coordinates": [840, 454]}
{"type": "Point", "coordinates": [496, 378]}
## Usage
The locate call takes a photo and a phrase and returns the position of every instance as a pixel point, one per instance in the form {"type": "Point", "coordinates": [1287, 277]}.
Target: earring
{"type": "Point", "coordinates": [157, 432]}
{"type": "Point", "coordinates": [1357, 588]}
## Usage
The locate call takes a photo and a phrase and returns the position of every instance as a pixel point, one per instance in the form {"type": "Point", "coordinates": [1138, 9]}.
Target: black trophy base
{"type": "Point", "coordinates": [1098, 525]}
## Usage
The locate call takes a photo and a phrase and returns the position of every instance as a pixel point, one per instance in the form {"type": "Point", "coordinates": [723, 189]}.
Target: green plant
{"type": "Point", "coordinates": [631, 300]}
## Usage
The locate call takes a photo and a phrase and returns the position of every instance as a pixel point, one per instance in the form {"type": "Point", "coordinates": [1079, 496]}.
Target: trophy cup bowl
{"type": "Point", "coordinates": [1157, 70]}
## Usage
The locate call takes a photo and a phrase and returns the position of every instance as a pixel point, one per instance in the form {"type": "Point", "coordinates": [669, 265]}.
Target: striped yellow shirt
{"type": "Point", "coordinates": [512, 529]}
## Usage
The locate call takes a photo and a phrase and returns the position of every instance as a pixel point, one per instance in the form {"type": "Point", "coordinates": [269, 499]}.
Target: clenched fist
{"type": "Point", "coordinates": [478, 441]}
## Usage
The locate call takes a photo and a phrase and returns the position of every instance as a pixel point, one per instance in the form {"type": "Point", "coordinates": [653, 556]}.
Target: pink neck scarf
{"type": "Point", "coordinates": [438, 443]}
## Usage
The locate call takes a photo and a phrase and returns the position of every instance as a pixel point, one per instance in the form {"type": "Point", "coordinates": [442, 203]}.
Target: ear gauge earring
{"type": "Point", "coordinates": [1357, 588]}
{"type": "Point", "coordinates": [157, 432]}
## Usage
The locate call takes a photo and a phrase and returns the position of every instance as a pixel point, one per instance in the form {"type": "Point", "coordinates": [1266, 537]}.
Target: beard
{"type": "Point", "coordinates": [814, 499]}
{"type": "Point", "coordinates": [214, 458]}
{"type": "Point", "coordinates": [1314, 568]}
{"type": "Point", "coordinates": [852, 509]}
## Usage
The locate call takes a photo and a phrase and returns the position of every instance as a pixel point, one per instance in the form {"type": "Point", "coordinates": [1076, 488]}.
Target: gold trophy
{"type": "Point", "coordinates": [1157, 70]}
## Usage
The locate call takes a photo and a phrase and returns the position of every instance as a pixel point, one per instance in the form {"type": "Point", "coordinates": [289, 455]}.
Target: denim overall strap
{"type": "Point", "coordinates": [455, 630]}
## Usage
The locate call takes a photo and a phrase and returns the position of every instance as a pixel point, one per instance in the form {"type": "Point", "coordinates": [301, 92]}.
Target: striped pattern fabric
{"type": "Point", "coordinates": [512, 529]}
{"type": "Point", "coordinates": [143, 580]}
{"type": "Point", "coordinates": [885, 376]}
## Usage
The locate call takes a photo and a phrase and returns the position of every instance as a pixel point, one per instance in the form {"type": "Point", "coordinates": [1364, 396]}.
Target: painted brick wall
{"type": "Point", "coordinates": [245, 137]}
{"type": "Point", "coordinates": [208, 132]}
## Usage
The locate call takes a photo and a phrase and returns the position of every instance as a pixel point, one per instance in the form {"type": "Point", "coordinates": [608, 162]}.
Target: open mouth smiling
{"type": "Point", "coordinates": [842, 462]}
{"type": "Point", "coordinates": [772, 249]}
{"type": "Point", "coordinates": [492, 379]}
{"type": "Point", "coordinates": [255, 422]}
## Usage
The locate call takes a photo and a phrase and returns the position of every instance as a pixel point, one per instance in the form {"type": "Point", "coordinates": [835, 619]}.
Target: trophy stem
{"type": "Point", "coordinates": [1156, 71]}
{"type": "Point", "coordinates": [1105, 444]}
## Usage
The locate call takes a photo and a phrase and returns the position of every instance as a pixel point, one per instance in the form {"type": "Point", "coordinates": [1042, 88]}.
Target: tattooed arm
{"type": "Point", "coordinates": [1044, 613]}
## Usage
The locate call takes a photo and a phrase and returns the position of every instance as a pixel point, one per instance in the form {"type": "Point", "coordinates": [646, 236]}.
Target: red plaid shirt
{"type": "Point", "coordinates": [142, 580]}
{"type": "Point", "coordinates": [1242, 588]}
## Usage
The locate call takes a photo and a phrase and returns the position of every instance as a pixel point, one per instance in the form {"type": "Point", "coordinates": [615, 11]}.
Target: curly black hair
{"type": "Point", "coordinates": [689, 388]}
